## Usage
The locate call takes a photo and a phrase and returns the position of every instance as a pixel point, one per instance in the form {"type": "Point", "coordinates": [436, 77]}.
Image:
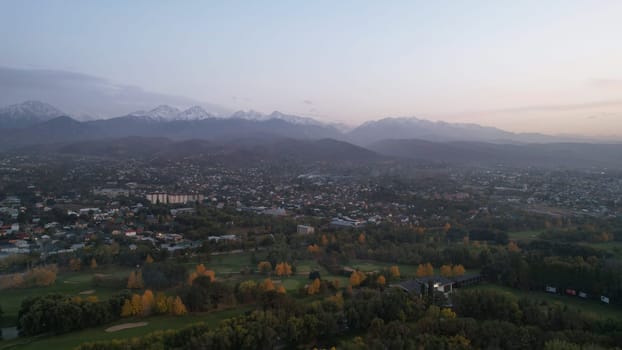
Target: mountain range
{"type": "Point", "coordinates": [278, 135]}
{"type": "Point", "coordinates": [204, 124]}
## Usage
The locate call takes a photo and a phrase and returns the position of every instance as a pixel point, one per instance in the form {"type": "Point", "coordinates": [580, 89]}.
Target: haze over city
{"type": "Point", "coordinates": [550, 67]}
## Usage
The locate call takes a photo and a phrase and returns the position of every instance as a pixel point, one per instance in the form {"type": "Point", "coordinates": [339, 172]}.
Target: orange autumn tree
{"type": "Point", "coordinates": [283, 269]}
{"type": "Point", "coordinates": [200, 271]}
{"type": "Point", "coordinates": [281, 289]}
{"type": "Point", "coordinates": [313, 249]}
{"type": "Point", "coordinates": [93, 263]}
{"type": "Point", "coordinates": [362, 239]}
{"type": "Point", "coordinates": [394, 271]}
{"type": "Point", "coordinates": [264, 267]}
{"type": "Point", "coordinates": [314, 287]}
{"type": "Point", "coordinates": [458, 270]}
{"type": "Point", "coordinates": [356, 278]}
{"type": "Point", "coordinates": [446, 271]}
{"type": "Point", "coordinates": [424, 270]}
{"type": "Point", "coordinates": [381, 280]}
{"type": "Point", "coordinates": [267, 285]}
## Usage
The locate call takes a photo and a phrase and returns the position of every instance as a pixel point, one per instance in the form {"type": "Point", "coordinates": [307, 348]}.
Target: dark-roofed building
{"type": "Point", "coordinates": [420, 285]}
{"type": "Point", "coordinates": [466, 280]}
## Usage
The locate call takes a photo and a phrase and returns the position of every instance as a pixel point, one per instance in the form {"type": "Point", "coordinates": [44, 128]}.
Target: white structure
{"type": "Point", "coordinates": [168, 198]}
{"type": "Point", "coordinates": [305, 230]}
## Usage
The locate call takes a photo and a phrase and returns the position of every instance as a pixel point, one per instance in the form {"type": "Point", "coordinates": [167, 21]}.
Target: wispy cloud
{"type": "Point", "coordinates": [307, 102]}
{"type": "Point", "coordinates": [81, 94]}
{"type": "Point", "coordinates": [562, 107]}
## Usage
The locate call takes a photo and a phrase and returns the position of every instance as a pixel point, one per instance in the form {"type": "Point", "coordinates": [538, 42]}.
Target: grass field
{"type": "Point", "coordinates": [614, 248]}
{"type": "Point", "coordinates": [524, 236]}
{"type": "Point", "coordinates": [71, 340]}
{"type": "Point", "coordinates": [67, 283]}
{"type": "Point", "coordinates": [589, 306]}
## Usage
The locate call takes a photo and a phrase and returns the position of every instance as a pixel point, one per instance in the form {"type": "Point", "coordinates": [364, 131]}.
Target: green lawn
{"type": "Point", "coordinates": [230, 262]}
{"type": "Point", "coordinates": [371, 266]}
{"type": "Point", "coordinates": [71, 340]}
{"type": "Point", "coordinates": [614, 248]}
{"type": "Point", "coordinates": [67, 283]}
{"type": "Point", "coordinates": [589, 306]}
{"type": "Point", "coordinates": [525, 236]}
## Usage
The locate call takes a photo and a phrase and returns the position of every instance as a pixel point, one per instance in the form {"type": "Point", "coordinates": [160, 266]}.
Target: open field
{"type": "Point", "coordinates": [71, 340]}
{"type": "Point", "coordinates": [589, 306]}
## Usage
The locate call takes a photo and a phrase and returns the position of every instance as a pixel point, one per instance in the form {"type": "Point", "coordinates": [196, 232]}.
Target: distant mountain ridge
{"type": "Point", "coordinates": [414, 128]}
{"type": "Point", "coordinates": [249, 152]}
{"type": "Point", "coordinates": [30, 119]}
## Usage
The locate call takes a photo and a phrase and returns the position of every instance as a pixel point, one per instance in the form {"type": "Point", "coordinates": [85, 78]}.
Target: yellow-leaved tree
{"type": "Point", "coordinates": [148, 301]}
{"type": "Point", "coordinates": [135, 280]}
{"type": "Point", "coordinates": [161, 305]}
{"type": "Point", "coordinates": [126, 309]}
{"type": "Point", "coordinates": [179, 308]}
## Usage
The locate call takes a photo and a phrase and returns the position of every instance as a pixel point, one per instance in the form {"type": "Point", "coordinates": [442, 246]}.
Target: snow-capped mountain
{"type": "Point", "coordinates": [168, 113]}
{"type": "Point", "coordinates": [27, 113]}
{"type": "Point", "coordinates": [162, 112]}
{"type": "Point", "coordinates": [194, 113]}
{"type": "Point", "coordinates": [294, 119]}
{"type": "Point", "coordinates": [248, 115]}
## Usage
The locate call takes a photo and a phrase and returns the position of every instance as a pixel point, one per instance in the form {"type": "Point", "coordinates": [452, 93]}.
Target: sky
{"type": "Point", "coordinates": [529, 66]}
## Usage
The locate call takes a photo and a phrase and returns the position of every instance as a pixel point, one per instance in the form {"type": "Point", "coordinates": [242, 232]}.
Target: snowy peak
{"type": "Point", "coordinates": [194, 113]}
{"type": "Point", "coordinates": [31, 109]}
{"type": "Point", "coordinates": [248, 115]}
{"type": "Point", "coordinates": [27, 113]}
{"type": "Point", "coordinates": [168, 113]}
{"type": "Point", "coordinates": [161, 112]}
{"type": "Point", "coordinates": [294, 119]}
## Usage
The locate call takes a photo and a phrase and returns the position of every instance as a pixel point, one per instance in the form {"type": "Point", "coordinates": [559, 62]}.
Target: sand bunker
{"type": "Point", "coordinates": [121, 327]}
{"type": "Point", "coordinates": [87, 292]}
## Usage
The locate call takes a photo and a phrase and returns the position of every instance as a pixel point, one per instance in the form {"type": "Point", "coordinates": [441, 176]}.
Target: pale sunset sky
{"type": "Point", "coordinates": [537, 66]}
